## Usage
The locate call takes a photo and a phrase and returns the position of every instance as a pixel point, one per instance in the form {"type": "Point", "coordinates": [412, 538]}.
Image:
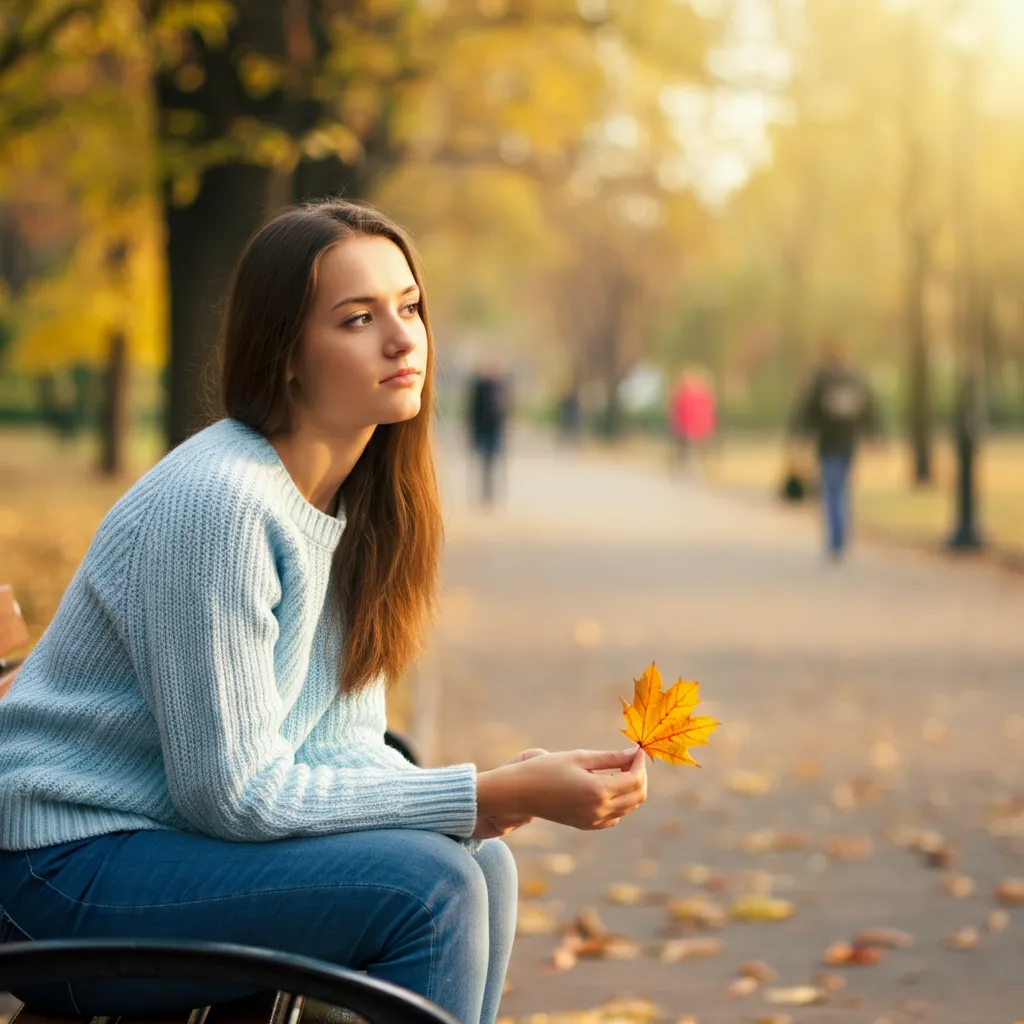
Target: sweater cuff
{"type": "Point", "coordinates": [440, 799]}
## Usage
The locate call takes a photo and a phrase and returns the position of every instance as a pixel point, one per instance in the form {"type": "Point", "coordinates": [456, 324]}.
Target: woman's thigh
{"type": "Point", "coordinates": [344, 898]}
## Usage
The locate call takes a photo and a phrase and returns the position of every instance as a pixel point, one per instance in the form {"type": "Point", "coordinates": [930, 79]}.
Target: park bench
{"type": "Point", "coordinates": [289, 989]}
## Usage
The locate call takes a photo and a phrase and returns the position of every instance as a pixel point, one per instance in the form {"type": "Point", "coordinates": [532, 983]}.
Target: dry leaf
{"type": "Point", "coordinates": [962, 940]}
{"type": "Point", "coordinates": [698, 909]}
{"type": "Point", "coordinates": [589, 924]}
{"type": "Point", "coordinates": [610, 947]}
{"type": "Point", "coordinates": [635, 1011]}
{"type": "Point", "coordinates": [845, 954]}
{"type": "Point", "coordinates": [684, 949]}
{"type": "Point", "coordinates": [781, 1019]}
{"type": "Point", "coordinates": [849, 847]}
{"type": "Point", "coordinates": [626, 894]}
{"type": "Point", "coordinates": [535, 919]}
{"type": "Point", "coordinates": [747, 782]}
{"type": "Point", "coordinates": [661, 722]}
{"type": "Point", "coordinates": [564, 957]}
{"type": "Point", "coordinates": [769, 840]}
{"type": "Point", "coordinates": [741, 987]}
{"type": "Point", "coordinates": [796, 995]}
{"type": "Point", "coordinates": [959, 886]}
{"type": "Point", "coordinates": [761, 908]}
{"type": "Point", "coordinates": [891, 938]}
{"type": "Point", "coordinates": [559, 863]}
{"type": "Point", "coordinates": [1011, 892]}
{"type": "Point", "coordinates": [997, 921]}
{"type": "Point", "coordinates": [758, 970]}
{"type": "Point", "coordinates": [534, 887]}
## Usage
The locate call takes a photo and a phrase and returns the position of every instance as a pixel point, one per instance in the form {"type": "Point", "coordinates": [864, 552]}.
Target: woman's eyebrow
{"type": "Point", "coordinates": [368, 300]}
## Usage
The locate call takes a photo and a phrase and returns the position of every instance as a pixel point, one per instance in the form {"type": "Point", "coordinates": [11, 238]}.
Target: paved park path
{"type": "Point", "coordinates": [879, 702]}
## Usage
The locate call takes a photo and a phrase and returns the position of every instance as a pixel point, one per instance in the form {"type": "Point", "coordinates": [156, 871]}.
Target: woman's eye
{"type": "Point", "coordinates": [359, 320]}
{"type": "Point", "coordinates": [413, 307]}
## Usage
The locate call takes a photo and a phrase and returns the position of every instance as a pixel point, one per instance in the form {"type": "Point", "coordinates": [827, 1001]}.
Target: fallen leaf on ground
{"type": "Point", "coordinates": [758, 970]}
{"type": "Point", "coordinates": [1011, 892]}
{"type": "Point", "coordinates": [609, 947]}
{"type": "Point", "coordinates": [796, 995]}
{"type": "Point", "coordinates": [661, 722]}
{"type": "Point", "coordinates": [997, 921]}
{"type": "Point", "coordinates": [589, 924]}
{"type": "Point", "coordinates": [739, 988]}
{"type": "Point", "coordinates": [761, 908]}
{"type": "Point", "coordinates": [747, 782]}
{"type": "Point", "coordinates": [769, 840]}
{"type": "Point", "coordinates": [535, 919]}
{"type": "Point", "coordinates": [781, 1019]}
{"type": "Point", "coordinates": [891, 938]}
{"type": "Point", "coordinates": [559, 863]}
{"type": "Point", "coordinates": [564, 957]}
{"type": "Point", "coordinates": [962, 940]}
{"type": "Point", "coordinates": [673, 950]}
{"type": "Point", "coordinates": [626, 894]}
{"type": "Point", "coordinates": [698, 909]}
{"type": "Point", "coordinates": [636, 1011]}
{"type": "Point", "coordinates": [958, 886]}
{"type": "Point", "coordinates": [534, 887]}
{"type": "Point", "coordinates": [849, 847]}
{"type": "Point", "coordinates": [846, 954]}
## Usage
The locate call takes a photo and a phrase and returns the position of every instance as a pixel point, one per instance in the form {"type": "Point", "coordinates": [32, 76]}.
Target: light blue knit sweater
{"type": "Point", "coordinates": [189, 678]}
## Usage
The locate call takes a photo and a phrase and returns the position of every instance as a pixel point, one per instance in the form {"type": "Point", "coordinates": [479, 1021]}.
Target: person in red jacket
{"type": "Point", "coordinates": [692, 413]}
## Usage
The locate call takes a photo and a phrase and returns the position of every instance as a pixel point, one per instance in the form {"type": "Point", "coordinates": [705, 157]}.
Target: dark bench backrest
{"type": "Point", "coordinates": [13, 634]}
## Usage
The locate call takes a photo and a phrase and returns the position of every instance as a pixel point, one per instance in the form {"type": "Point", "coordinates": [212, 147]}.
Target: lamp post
{"type": "Point", "coordinates": [969, 416]}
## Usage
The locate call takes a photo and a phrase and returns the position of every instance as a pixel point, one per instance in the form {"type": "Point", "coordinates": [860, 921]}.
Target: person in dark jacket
{"type": "Point", "coordinates": [487, 410]}
{"type": "Point", "coordinates": [837, 408]}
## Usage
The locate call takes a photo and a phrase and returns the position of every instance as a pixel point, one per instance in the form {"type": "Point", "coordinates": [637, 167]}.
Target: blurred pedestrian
{"type": "Point", "coordinates": [569, 416]}
{"type": "Point", "coordinates": [692, 416]}
{"type": "Point", "coordinates": [487, 410]}
{"type": "Point", "coordinates": [837, 408]}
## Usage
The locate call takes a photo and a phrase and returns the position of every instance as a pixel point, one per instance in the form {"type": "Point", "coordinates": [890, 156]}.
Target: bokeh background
{"type": "Point", "coordinates": [607, 195]}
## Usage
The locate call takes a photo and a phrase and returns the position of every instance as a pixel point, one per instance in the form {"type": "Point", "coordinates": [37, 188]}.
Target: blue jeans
{"type": "Point", "coordinates": [835, 476]}
{"type": "Point", "coordinates": [414, 908]}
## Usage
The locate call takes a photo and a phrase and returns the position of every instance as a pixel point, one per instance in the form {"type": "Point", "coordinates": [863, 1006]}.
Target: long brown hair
{"type": "Point", "coordinates": [384, 575]}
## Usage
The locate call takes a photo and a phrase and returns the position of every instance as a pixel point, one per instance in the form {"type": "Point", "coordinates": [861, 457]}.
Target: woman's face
{"type": "Point", "coordinates": [363, 353]}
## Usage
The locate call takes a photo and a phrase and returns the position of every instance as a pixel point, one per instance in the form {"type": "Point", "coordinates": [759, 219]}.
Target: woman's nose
{"type": "Point", "coordinates": [399, 339]}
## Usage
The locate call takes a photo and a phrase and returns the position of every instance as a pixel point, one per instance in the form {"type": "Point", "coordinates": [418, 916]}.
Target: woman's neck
{"type": "Point", "coordinates": [319, 465]}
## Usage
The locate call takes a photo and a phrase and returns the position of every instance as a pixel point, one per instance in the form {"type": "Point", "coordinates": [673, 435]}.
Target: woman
{"type": "Point", "coordinates": [195, 747]}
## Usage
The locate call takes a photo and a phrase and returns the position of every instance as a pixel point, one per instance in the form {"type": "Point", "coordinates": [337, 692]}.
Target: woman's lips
{"type": "Point", "coordinates": [405, 379]}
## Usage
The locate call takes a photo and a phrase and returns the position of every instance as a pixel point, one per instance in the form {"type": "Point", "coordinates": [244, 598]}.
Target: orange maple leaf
{"type": "Point", "coordinates": [661, 722]}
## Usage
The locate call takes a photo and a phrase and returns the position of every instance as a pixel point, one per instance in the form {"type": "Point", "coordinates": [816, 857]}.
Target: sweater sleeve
{"type": "Point", "coordinates": [200, 606]}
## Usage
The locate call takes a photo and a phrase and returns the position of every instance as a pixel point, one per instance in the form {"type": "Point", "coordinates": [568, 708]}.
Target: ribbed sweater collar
{"type": "Point", "coordinates": [318, 526]}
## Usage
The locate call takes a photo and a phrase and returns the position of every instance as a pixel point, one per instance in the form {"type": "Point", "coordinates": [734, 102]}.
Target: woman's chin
{"type": "Point", "coordinates": [402, 408]}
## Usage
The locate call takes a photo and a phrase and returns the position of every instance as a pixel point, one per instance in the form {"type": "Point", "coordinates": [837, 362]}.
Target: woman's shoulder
{"type": "Point", "coordinates": [225, 473]}
{"type": "Point", "coordinates": [225, 480]}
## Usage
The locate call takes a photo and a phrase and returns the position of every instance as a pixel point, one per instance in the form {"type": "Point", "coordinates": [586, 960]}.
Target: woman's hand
{"type": "Point", "coordinates": [500, 825]}
{"type": "Point", "coordinates": [567, 787]}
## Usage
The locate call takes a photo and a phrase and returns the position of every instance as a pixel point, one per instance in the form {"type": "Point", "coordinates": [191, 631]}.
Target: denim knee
{"type": "Point", "coordinates": [499, 866]}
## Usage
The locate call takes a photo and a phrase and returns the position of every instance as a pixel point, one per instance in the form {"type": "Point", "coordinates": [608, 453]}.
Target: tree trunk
{"type": "Point", "coordinates": [203, 242]}
{"type": "Point", "coordinates": [919, 390]}
{"type": "Point", "coordinates": [916, 250]}
{"type": "Point", "coordinates": [114, 423]}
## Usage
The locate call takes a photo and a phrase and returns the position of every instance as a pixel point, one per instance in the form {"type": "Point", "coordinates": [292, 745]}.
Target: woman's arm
{"type": "Point", "coordinates": [201, 628]}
